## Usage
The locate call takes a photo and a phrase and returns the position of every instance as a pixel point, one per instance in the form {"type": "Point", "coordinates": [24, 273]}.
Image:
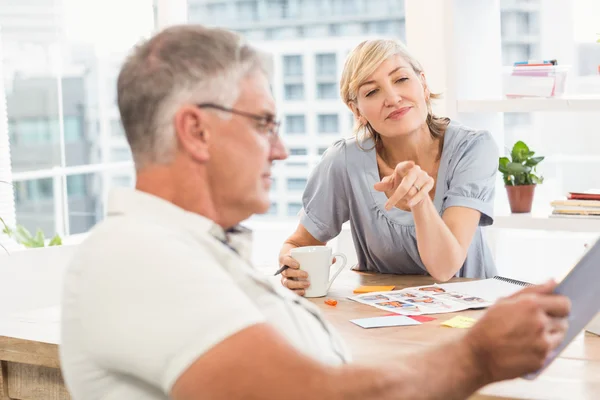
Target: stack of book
{"type": "Point", "coordinates": [578, 204]}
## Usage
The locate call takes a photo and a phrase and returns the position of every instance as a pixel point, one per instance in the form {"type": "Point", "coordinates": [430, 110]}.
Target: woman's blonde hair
{"type": "Point", "coordinates": [362, 62]}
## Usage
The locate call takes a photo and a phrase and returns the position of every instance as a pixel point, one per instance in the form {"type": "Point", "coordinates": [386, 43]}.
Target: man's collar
{"type": "Point", "coordinates": [123, 201]}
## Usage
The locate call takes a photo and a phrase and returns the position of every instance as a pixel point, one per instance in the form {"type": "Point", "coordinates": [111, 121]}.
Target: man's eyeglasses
{"type": "Point", "coordinates": [266, 123]}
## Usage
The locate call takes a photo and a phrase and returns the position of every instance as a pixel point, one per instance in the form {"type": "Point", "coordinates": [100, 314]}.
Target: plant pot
{"type": "Point", "coordinates": [520, 198]}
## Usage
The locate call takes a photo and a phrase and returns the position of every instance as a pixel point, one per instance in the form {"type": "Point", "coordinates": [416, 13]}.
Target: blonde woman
{"type": "Point", "coordinates": [415, 187]}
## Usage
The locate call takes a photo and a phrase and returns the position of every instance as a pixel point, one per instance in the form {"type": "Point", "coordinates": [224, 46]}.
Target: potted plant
{"type": "Point", "coordinates": [520, 179]}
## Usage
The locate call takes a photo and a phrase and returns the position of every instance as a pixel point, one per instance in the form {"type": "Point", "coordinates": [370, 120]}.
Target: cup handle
{"type": "Point", "coordinates": [335, 275]}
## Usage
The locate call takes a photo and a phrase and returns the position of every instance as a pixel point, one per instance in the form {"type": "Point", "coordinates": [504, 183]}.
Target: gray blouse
{"type": "Point", "coordinates": [340, 189]}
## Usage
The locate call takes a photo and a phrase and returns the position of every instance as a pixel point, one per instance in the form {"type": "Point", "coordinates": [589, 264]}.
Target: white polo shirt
{"type": "Point", "coordinates": [154, 287]}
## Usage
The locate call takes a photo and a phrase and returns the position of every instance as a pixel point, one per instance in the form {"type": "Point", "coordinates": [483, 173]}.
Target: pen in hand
{"type": "Point", "coordinates": [280, 270]}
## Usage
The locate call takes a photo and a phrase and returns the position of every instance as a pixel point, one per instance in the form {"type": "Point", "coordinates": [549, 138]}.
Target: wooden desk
{"type": "Point", "coordinates": [575, 375]}
{"type": "Point", "coordinates": [30, 370]}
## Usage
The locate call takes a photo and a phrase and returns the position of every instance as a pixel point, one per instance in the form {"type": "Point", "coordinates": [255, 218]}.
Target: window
{"type": "Point", "coordinates": [294, 91]}
{"type": "Point", "coordinates": [120, 154]}
{"type": "Point", "coordinates": [296, 183]}
{"type": "Point", "coordinates": [73, 129]}
{"type": "Point", "coordinates": [273, 185]}
{"type": "Point", "coordinates": [322, 150]}
{"type": "Point", "coordinates": [292, 66]}
{"type": "Point", "coordinates": [326, 65]}
{"type": "Point", "coordinates": [76, 185]}
{"type": "Point", "coordinates": [122, 181]}
{"type": "Point", "coordinates": [344, 7]}
{"type": "Point", "coordinates": [328, 123]}
{"type": "Point", "coordinates": [215, 12]}
{"type": "Point", "coordinates": [273, 209]}
{"type": "Point", "coordinates": [116, 128]}
{"type": "Point", "coordinates": [297, 164]}
{"type": "Point", "coordinates": [293, 209]}
{"type": "Point", "coordinates": [277, 9]}
{"type": "Point", "coordinates": [247, 11]}
{"type": "Point", "coordinates": [60, 66]}
{"type": "Point", "coordinates": [295, 124]}
{"type": "Point", "coordinates": [327, 91]}
{"type": "Point", "coordinates": [298, 151]}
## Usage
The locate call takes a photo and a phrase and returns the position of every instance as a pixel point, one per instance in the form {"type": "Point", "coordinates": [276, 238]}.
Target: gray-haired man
{"type": "Point", "coordinates": [160, 303]}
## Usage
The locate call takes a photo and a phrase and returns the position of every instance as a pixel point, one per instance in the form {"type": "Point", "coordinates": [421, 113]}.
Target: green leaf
{"type": "Point", "coordinates": [533, 161]}
{"type": "Point", "coordinates": [502, 162]}
{"type": "Point", "coordinates": [23, 236]}
{"type": "Point", "coordinates": [56, 241]}
{"type": "Point", "coordinates": [38, 240]}
{"type": "Point", "coordinates": [537, 179]}
{"type": "Point", "coordinates": [514, 168]}
{"type": "Point", "coordinates": [519, 152]}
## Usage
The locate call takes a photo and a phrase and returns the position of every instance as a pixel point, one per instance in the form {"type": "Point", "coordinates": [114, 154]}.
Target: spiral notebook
{"type": "Point", "coordinates": [442, 298]}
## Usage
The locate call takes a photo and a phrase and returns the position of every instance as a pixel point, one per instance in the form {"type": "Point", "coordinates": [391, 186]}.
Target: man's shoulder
{"type": "Point", "coordinates": [127, 246]}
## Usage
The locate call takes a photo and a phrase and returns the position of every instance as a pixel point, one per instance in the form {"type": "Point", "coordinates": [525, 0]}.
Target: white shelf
{"type": "Point", "coordinates": [565, 104]}
{"type": "Point", "coordinates": [546, 223]}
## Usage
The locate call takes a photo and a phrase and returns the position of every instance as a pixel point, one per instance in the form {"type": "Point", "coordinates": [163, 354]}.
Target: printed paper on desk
{"type": "Point", "coordinates": [380, 322]}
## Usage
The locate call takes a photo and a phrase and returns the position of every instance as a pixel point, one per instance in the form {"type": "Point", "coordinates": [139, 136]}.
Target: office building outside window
{"type": "Point", "coordinates": [293, 209]}
{"type": "Point", "coordinates": [295, 124]}
{"type": "Point", "coordinates": [294, 91]}
{"type": "Point", "coordinates": [297, 184]}
{"type": "Point", "coordinates": [328, 123]}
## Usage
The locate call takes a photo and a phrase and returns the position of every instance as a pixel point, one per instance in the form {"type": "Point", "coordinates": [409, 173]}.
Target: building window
{"type": "Point", "coordinates": [294, 91]}
{"type": "Point", "coordinates": [293, 209]}
{"type": "Point", "coordinates": [273, 185]}
{"type": "Point", "coordinates": [327, 91]}
{"type": "Point", "coordinates": [120, 154]}
{"type": "Point", "coordinates": [116, 128]}
{"type": "Point", "coordinates": [278, 9]}
{"type": "Point", "coordinates": [292, 66]}
{"type": "Point", "coordinates": [298, 151]}
{"type": "Point", "coordinates": [322, 150]}
{"type": "Point", "coordinates": [297, 184]}
{"type": "Point", "coordinates": [273, 209]}
{"type": "Point", "coordinates": [122, 181]}
{"type": "Point", "coordinates": [295, 124]}
{"type": "Point", "coordinates": [328, 123]}
{"type": "Point", "coordinates": [247, 11]}
{"type": "Point", "coordinates": [76, 185]}
{"type": "Point", "coordinates": [216, 13]}
{"type": "Point", "coordinates": [73, 129]}
{"type": "Point", "coordinates": [344, 7]}
{"type": "Point", "coordinates": [326, 64]}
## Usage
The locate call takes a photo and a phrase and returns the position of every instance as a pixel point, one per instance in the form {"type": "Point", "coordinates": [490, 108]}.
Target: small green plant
{"type": "Point", "coordinates": [21, 235]}
{"type": "Point", "coordinates": [520, 169]}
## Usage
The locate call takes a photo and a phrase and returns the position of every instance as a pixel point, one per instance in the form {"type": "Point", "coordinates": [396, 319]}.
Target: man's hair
{"type": "Point", "coordinates": [186, 64]}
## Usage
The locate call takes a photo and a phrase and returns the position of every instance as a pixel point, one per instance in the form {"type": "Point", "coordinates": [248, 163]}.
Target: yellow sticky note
{"type": "Point", "coordinates": [460, 322]}
{"type": "Point", "coordinates": [369, 289]}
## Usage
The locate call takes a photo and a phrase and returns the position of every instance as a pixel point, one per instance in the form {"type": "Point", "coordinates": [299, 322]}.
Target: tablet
{"type": "Point", "coordinates": [582, 287]}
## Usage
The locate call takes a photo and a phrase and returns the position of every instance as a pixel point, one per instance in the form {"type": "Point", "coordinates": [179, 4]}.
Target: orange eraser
{"type": "Point", "coordinates": [331, 302]}
{"type": "Point", "coordinates": [369, 289]}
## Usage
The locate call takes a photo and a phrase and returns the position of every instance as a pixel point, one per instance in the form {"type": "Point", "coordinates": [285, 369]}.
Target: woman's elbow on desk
{"type": "Point", "coordinates": [442, 268]}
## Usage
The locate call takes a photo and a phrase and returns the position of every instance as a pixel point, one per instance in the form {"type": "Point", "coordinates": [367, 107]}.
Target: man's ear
{"type": "Point", "coordinates": [192, 133]}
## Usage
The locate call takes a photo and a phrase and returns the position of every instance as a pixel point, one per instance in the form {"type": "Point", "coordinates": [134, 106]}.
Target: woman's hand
{"type": "Point", "coordinates": [406, 184]}
{"type": "Point", "coordinates": [293, 277]}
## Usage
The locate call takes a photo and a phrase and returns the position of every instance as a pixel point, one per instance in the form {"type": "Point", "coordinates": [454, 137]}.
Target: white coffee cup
{"type": "Point", "coordinates": [316, 260]}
